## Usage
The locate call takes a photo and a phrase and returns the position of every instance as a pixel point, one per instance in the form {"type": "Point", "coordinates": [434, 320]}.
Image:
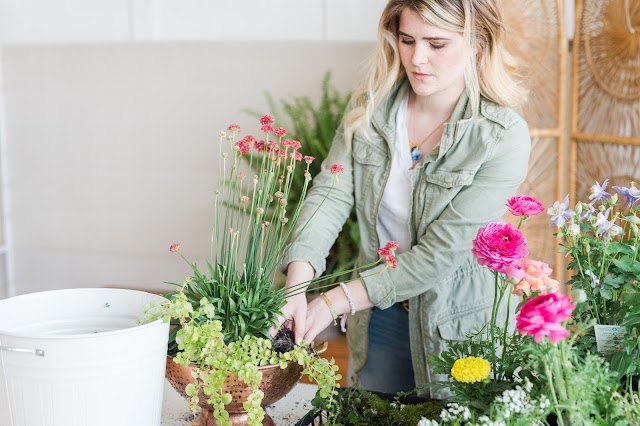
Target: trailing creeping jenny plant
{"type": "Point", "coordinates": [222, 316]}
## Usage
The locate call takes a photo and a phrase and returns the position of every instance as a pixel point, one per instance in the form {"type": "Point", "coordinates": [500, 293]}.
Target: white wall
{"type": "Point", "coordinates": [111, 114]}
{"type": "Point", "coordinates": [90, 21]}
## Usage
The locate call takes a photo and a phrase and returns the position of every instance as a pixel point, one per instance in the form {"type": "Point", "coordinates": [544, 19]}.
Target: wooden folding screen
{"type": "Point", "coordinates": [605, 96]}
{"type": "Point", "coordinates": [537, 39]}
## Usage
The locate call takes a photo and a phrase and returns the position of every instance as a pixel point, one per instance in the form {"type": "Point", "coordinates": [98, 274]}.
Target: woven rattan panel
{"type": "Point", "coordinates": [537, 39]}
{"type": "Point", "coordinates": [605, 111]}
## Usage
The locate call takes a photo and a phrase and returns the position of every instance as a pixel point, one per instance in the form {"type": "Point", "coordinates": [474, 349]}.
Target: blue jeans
{"type": "Point", "coordinates": [389, 368]}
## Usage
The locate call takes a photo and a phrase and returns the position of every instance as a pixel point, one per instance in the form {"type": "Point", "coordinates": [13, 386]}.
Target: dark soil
{"type": "Point", "coordinates": [283, 342]}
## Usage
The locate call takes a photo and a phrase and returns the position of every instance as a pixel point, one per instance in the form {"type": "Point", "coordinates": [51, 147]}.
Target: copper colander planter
{"type": "Point", "coordinates": [276, 383]}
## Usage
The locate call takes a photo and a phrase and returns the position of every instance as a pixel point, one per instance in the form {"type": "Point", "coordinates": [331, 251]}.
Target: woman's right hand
{"type": "Point", "coordinates": [295, 310]}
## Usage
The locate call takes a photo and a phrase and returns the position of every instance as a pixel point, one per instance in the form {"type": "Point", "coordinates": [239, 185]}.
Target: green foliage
{"type": "Point", "coordinates": [315, 126]}
{"type": "Point", "coordinates": [200, 341]}
{"type": "Point", "coordinates": [358, 407]}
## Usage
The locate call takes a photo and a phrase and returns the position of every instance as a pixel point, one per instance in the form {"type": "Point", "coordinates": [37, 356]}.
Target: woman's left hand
{"type": "Point", "coordinates": [318, 318]}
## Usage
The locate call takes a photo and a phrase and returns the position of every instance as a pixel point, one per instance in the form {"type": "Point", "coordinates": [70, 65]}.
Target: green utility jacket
{"type": "Point", "coordinates": [459, 187]}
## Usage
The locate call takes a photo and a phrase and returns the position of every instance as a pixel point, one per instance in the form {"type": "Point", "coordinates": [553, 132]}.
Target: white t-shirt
{"type": "Point", "coordinates": [393, 220]}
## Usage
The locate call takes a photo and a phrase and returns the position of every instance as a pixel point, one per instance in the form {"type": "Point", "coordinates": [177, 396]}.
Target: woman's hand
{"type": "Point", "coordinates": [318, 318]}
{"type": "Point", "coordinates": [319, 314]}
{"type": "Point", "coordinates": [295, 310]}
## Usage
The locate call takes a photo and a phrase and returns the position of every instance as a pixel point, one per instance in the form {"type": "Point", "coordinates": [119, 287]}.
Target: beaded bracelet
{"type": "Point", "coordinates": [333, 311]}
{"type": "Point", "coordinates": [346, 293]}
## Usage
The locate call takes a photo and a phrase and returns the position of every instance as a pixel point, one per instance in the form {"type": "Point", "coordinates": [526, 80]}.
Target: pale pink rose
{"type": "Point", "coordinates": [499, 245]}
{"type": "Point", "coordinates": [536, 279]}
{"type": "Point", "coordinates": [543, 315]}
{"type": "Point", "coordinates": [524, 205]}
{"type": "Point", "coordinates": [515, 271]}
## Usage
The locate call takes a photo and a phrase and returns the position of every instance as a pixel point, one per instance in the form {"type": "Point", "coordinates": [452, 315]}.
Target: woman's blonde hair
{"type": "Point", "coordinates": [489, 73]}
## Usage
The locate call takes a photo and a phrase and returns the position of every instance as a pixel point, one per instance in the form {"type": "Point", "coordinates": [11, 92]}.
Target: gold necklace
{"type": "Point", "coordinates": [415, 148]}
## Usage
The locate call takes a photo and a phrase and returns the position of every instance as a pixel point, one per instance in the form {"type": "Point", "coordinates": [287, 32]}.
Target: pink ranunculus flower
{"type": "Point", "coordinates": [543, 316]}
{"type": "Point", "coordinates": [499, 245]}
{"type": "Point", "coordinates": [524, 205]}
{"type": "Point", "coordinates": [536, 279]}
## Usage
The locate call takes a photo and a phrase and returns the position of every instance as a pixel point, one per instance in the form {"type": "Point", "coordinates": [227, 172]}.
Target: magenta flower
{"type": "Point", "coordinates": [391, 246]}
{"type": "Point", "coordinates": [295, 144]}
{"type": "Point", "coordinates": [499, 245]}
{"type": "Point", "coordinates": [175, 248]}
{"type": "Point", "coordinates": [388, 252]}
{"type": "Point", "coordinates": [266, 119]}
{"type": "Point", "coordinates": [267, 128]}
{"type": "Point", "coordinates": [234, 128]}
{"type": "Point", "coordinates": [543, 316]}
{"type": "Point", "coordinates": [524, 205]}
{"type": "Point", "coordinates": [243, 146]}
{"type": "Point", "coordinates": [308, 159]}
{"type": "Point", "coordinates": [336, 168]}
{"type": "Point", "coordinates": [280, 132]}
{"type": "Point", "coordinates": [297, 155]}
{"type": "Point", "coordinates": [258, 145]}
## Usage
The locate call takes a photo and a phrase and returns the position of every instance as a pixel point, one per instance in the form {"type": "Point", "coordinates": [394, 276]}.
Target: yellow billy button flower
{"type": "Point", "coordinates": [471, 369]}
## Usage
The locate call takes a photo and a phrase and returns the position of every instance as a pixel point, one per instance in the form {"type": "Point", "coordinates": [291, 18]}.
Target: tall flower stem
{"type": "Point", "coordinates": [493, 321]}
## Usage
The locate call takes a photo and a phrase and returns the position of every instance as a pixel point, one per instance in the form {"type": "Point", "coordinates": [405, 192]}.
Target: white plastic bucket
{"type": "Point", "coordinates": [79, 358]}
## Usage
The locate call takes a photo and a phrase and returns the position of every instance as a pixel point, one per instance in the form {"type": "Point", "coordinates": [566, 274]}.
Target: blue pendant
{"type": "Point", "coordinates": [415, 153]}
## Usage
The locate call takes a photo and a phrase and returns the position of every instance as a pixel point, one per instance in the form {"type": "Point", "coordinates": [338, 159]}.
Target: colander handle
{"type": "Point", "coordinates": [36, 352]}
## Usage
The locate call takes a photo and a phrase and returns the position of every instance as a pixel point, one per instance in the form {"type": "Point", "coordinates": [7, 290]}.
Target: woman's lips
{"type": "Point", "coordinates": [421, 76]}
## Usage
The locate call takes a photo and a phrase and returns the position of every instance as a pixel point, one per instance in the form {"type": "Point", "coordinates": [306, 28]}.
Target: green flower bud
{"type": "Point", "coordinates": [578, 209]}
{"type": "Point", "coordinates": [579, 295]}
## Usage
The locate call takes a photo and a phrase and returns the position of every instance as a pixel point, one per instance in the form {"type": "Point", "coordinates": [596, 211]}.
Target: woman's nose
{"type": "Point", "coordinates": [420, 54]}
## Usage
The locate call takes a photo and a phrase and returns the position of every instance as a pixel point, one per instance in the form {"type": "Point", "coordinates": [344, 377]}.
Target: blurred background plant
{"type": "Point", "coordinates": [315, 126]}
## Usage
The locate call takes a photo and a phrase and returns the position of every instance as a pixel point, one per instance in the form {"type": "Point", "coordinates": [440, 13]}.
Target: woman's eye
{"type": "Point", "coordinates": [407, 41]}
{"type": "Point", "coordinates": [437, 46]}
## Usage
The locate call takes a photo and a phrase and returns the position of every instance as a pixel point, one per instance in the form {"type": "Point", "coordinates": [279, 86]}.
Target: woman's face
{"type": "Point", "coordinates": [433, 58]}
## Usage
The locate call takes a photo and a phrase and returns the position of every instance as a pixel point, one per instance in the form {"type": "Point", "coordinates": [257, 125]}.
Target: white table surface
{"type": "Point", "coordinates": [286, 412]}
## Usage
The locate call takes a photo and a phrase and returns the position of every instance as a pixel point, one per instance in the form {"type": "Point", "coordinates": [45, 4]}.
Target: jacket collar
{"type": "Point", "coordinates": [384, 117]}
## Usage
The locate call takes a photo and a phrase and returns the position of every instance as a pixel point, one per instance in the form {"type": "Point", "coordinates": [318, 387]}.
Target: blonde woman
{"type": "Point", "coordinates": [431, 151]}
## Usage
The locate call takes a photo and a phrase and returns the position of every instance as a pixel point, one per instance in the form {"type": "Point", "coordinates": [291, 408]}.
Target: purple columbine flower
{"type": "Point", "coordinates": [594, 280]}
{"type": "Point", "coordinates": [606, 228]}
{"type": "Point", "coordinates": [598, 192]}
{"type": "Point", "coordinates": [588, 212]}
{"type": "Point", "coordinates": [560, 212]}
{"type": "Point", "coordinates": [632, 194]}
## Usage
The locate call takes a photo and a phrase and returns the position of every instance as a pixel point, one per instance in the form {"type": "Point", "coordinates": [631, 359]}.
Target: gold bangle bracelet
{"type": "Point", "coordinates": [330, 306]}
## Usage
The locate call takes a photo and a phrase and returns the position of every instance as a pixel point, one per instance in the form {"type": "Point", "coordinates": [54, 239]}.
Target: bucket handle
{"type": "Point", "coordinates": [36, 352]}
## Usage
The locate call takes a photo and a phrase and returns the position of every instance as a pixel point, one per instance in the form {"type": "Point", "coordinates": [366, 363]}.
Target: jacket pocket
{"type": "Point", "coordinates": [450, 179]}
{"type": "Point", "coordinates": [365, 152]}
{"type": "Point", "coordinates": [369, 163]}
